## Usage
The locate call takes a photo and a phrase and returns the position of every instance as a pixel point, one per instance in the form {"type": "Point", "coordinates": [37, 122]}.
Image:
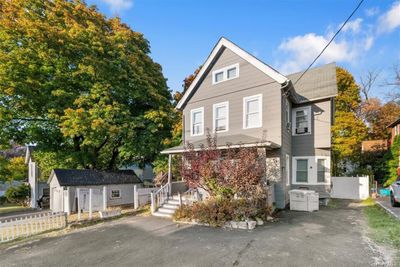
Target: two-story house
{"type": "Point", "coordinates": [248, 103]}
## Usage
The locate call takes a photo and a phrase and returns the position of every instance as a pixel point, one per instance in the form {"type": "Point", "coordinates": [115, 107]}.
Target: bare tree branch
{"type": "Point", "coordinates": [368, 81]}
{"type": "Point", "coordinates": [394, 84]}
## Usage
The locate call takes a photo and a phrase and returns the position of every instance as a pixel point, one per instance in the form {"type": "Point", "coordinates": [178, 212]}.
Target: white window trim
{"type": "Point", "coordinates": [111, 197]}
{"type": "Point", "coordinates": [215, 106]}
{"type": "Point", "coordinates": [327, 168]}
{"type": "Point", "coordinates": [312, 170]}
{"type": "Point", "coordinates": [248, 98]}
{"type": "Point", "coordinates": [225, 73]}
{"type": "Point", "coordinates": [309, 115]}
{"type": "Point", "coordinates": [287, 163]}
{"type": "Point", "coordinates": [191, 121]}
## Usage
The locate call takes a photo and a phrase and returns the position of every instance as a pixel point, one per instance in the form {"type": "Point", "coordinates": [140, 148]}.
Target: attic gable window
{"type": "Point", "coordinates": [302, 120]}
{"type": "Point", "coordinates": [225, 74]}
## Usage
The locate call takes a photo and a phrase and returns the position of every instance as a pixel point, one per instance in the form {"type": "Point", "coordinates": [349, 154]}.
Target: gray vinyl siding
{"type": "Point", "coordinates": [281, 192]}
{"type": "Point", "coordinates": [319, 141]}
{"type": "Point", "coordinates": [251, 81]}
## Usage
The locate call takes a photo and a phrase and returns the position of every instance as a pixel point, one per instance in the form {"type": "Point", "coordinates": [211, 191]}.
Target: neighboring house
{"type": "Point", "coordinates": [394, 128]}
{"type": "Point", "coordinates": [248, 103]}
{"type": "Point", "coordinates": [38, 188]}
{"type": "Point", "coordinates": [374, 145]}
{"type": "Point", "coordinates": [145, 174]}
{"type": "Point", "coordinates": [63, 184]}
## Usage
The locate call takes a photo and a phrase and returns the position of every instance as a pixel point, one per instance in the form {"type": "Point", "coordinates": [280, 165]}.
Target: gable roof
{"type": "Point", "coordinates": [222, 44]}
{"type": "Point", "coordinates": [72, 177]}
{"type": "Point", "coordinates": [29, 153]}
{"type": "Point", "coordinates": [317, 83]}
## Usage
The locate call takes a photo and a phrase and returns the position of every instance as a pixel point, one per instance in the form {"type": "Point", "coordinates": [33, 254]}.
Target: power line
{"type": "Point", "coordinates": [323, 50]}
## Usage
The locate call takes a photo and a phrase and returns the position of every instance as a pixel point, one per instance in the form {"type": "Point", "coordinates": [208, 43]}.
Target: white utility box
{"type": "Point", "coordinates": [304, 200]}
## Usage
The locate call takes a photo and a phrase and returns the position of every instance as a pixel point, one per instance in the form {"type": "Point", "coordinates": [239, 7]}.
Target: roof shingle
{"type": "Point", "coordinates": [72, 177]}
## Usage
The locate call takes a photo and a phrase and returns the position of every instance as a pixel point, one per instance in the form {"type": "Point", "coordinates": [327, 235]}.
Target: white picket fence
{"type": "Point", "coordinates": [30, 225]}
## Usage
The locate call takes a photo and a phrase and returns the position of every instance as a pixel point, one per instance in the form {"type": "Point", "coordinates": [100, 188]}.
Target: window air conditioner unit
{"type": "Point", "coordinates": [301, 130]}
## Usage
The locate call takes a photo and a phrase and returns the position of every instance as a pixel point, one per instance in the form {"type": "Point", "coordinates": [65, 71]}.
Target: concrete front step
{"type": "Point", "coordinates": [160, 214]}
{"type": "Point", "coordinates": [173, 202]}
{"type": "Point", "coordinates": [170, 206]}
{"type": "Point", "coordinates": [162, 209]}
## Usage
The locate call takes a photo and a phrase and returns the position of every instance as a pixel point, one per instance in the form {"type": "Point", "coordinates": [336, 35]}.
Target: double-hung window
{"type": "Point", "coordinates": [197, 121]}
{"type": "Point", "coordinates": [302, 120]}
{"type": "Point", "coordinates": [252, 112]}
{"type": "Point", "coordinates": [221, 117]}
{"type": "Point", "coordinates": [321, 170]}
{"type": "Point", "coordinates": [312, 170]}
{"type": "Point", "coordinates": [301, 170]}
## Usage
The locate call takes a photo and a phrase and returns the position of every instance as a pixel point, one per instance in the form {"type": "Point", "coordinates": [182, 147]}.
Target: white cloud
{"type": "Point", "coordinates": [370, 12]}
{"type": "Point", "coordinates": [390, 20]}
{"type": "Point", "coordinates": [353, 26]}
{"type": "Point", "coordinates": [302, 50]}
{"type": "Point", "coordinates": [118, 5]}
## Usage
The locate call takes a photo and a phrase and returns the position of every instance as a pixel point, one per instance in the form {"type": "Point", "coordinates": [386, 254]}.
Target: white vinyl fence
{"type": "Point", "coordinates": [350, 187]}
{"type": "Point", "coordinates": [30, 225]}
{"type": "Point", "coordinates": [142, 196]}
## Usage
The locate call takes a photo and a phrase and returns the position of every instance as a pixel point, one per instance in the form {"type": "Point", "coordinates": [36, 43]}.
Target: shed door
{"type": "Point", "coordinates": [57, 204]}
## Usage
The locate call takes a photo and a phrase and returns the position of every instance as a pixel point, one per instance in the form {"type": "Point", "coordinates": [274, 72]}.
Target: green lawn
{"type": "Point", "coordinates": [6, 208]}
{"type": "Point", "coordinates": [385, 229]}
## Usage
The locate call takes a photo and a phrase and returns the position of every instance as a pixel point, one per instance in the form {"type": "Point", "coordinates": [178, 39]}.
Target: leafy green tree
{"type": "Point", "coordinates": [19, 195]}
{"type": "Point", "coordinates": [392, 161]}
{"type": "Point", "coordinates": [161, 162]}
{"type": "Point", "coordinates": [79, 84]}
{"type": "Point", "coordinates": [13, 169]}
{"type": "Point", "coordinates": [349, 129]}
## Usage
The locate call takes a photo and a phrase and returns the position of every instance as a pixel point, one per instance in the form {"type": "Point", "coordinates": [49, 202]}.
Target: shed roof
{"type": "Point", "coordinates": [73, 177]}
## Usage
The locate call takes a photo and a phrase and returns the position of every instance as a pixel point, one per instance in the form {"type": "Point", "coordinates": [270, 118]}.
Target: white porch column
{"type": "Point", "coordinates": [68, 206]}
{"type": "Point", "coordinates": [90, 203]}
{"type": "Point", "coordinates": [169, 171]}
{"type": "Point", "coordinates": [135, 197]}
{"type": "Point", "coordinates": [104, 198]}
{"type": "Point", "coordinates": [79, 204]}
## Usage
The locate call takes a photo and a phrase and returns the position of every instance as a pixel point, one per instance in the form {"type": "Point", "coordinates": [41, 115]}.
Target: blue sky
{"type": "Point", "coordinates": [285, 34]}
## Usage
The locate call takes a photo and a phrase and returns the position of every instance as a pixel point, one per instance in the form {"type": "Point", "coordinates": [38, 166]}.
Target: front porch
{"type": "Point", "coordinates": [172, 195]}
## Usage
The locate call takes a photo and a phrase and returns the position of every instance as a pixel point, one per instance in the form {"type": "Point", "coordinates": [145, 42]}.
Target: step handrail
{"type": "Point", "coordinates": [159, 197]}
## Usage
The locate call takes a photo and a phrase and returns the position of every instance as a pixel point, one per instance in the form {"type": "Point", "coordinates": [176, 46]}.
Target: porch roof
{"type": "Point", "coordinates": [223, 142]}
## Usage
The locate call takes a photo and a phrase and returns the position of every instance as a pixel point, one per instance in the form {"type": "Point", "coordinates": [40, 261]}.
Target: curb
{"type": "Point", "coordinates": [388, 210]}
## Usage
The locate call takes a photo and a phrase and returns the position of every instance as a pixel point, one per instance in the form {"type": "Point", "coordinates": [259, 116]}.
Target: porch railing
{"type": "Point", "coordinates": [189, 197]}
{"type": "Point", "coordinates": [159, 197]}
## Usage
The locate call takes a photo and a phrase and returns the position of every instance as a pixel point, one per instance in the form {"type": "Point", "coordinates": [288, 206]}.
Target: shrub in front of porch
{"type": "Point", "coordinates": [216, 212]}
{"type": "Point", "coordinates": [234, 180]}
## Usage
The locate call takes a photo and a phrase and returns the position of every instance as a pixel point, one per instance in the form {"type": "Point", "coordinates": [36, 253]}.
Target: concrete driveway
{"type": "Point", "coordinates": [333, 236]}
